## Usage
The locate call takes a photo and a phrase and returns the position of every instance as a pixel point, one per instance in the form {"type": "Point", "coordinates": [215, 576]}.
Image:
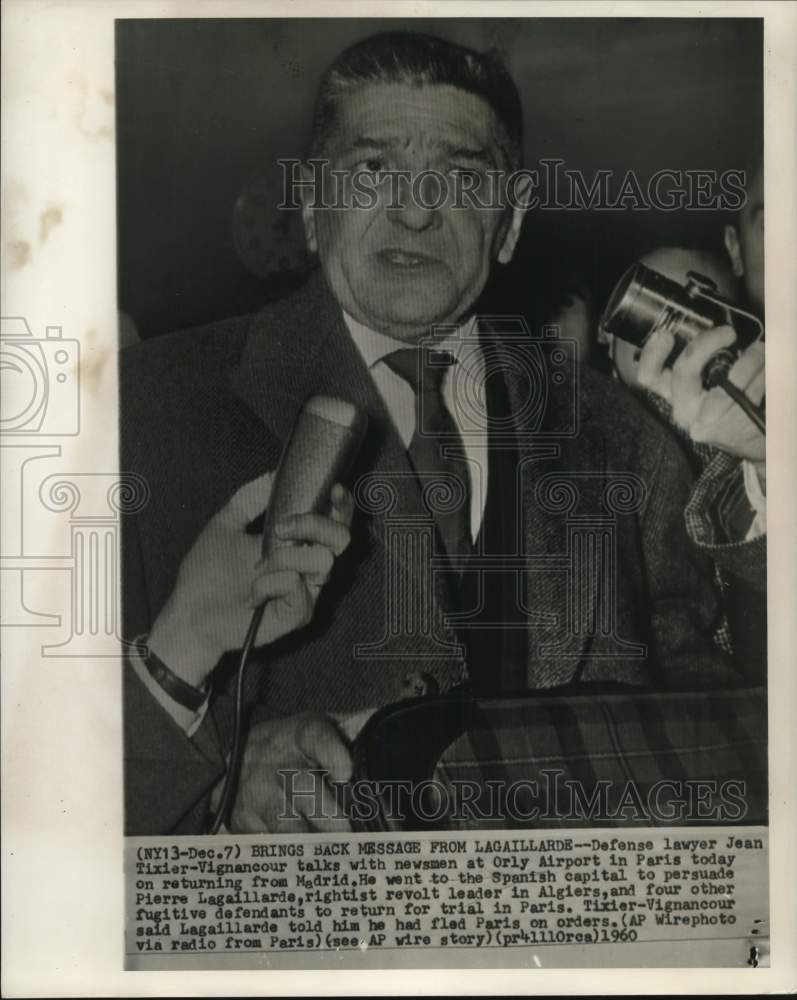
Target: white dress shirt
{"type": "Point", "coordinates": [186, 718]}
{"type": "Point", "coordinates": [757, 500]}
{"type": "Point", "coordinates": [463, 394]}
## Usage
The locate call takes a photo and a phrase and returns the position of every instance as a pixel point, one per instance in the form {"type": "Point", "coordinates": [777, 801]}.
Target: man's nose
{"type": "Point", "coordinates": [418, 206]}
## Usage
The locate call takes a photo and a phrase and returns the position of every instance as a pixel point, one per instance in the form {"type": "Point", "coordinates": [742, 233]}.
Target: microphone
{"type": "Point", "coordinates": [320, 451]}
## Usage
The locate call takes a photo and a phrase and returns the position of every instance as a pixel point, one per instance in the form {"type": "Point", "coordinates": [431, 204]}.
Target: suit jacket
{"type": "Point", "coordinates": [741, 564]}
{"type": "Point", "coordinates": [609, 585]}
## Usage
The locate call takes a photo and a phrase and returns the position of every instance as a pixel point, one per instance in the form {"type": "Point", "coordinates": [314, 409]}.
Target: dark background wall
{"type": "Point", "coordinates": [205, 108]}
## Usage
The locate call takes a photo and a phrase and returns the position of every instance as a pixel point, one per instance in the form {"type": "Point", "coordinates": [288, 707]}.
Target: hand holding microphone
{"type": "Point", "coordinates": [322, 447]}
{"type": "Point", "coordinates": [229, 575]}
{"type": "Point", "coordinates": [225, 576]}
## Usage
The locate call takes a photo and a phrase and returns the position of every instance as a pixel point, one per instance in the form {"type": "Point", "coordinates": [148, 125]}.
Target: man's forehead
{"type": "Point", "coordinates": [397, 114]}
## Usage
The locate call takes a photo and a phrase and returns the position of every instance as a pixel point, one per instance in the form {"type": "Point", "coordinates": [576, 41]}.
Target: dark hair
{"type": "Point", "coordinates": [421, 60]}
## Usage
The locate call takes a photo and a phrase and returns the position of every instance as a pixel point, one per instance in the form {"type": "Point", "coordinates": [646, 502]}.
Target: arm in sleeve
{"type": "Point", "coordinates": [187, 719]}
{"type": "Point", "coordinates": [684, 600]}
{"type": "Point", "coordinates": [168, 775]}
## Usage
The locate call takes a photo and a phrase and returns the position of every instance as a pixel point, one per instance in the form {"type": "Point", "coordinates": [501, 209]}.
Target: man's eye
{"type": "Point", "coordinates": [471, 173]}
{"type": "Point", "coordinates": [374, 165]}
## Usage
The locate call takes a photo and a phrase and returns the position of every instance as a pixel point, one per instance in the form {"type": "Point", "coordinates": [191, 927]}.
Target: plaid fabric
{"type": "Point", "coordinates": [713, 481]}
{"type": "Point", "coordinates": [734, 512]}
{"type": "Point", "coordinates": [746, 560]}
{"type": "Point", "coordinates": [663, 759]}
{"type": "Point", "coordinates": [711, 522]}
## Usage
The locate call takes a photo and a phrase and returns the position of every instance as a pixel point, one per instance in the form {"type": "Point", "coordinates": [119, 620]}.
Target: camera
{"type": "Point", "coordinates": [645, 301]}
{"type": "Point", "coordinates": [40, 381]}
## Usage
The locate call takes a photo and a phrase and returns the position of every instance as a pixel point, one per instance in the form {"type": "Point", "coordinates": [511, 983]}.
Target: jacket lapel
{"type": "Point", "coordinates": [558, 632]}
{"type": "Point", "coordinates": [302, 347]}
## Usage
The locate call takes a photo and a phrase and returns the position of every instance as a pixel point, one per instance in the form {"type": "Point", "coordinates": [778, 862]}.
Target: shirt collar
{"type": "Point", "coordinates": [375, 346]}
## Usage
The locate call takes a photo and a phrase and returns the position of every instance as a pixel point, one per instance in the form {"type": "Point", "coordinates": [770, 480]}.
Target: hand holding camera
{"type": "Point", "coordinates": [702, 338]}
{"type": "Point", "coordinates": [710, 416]}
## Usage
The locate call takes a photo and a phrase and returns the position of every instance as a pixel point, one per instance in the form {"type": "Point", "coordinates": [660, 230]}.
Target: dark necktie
{"type": "Point", "coordinates": [444, 480]}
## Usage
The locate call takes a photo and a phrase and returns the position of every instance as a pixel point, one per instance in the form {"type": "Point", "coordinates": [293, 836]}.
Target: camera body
{"type": "Point", "coordinates": [41, 393]}
{"type": "Point", "coordinates": [645, 301]}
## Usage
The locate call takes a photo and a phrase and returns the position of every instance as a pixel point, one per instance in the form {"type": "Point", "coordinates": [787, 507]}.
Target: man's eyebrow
{"type": "Point", "coordinates": [482, 156]}
{"type": "Point", "coordinates": [367, 142]}
{"type": "Point", "coordinates": [470, 154]}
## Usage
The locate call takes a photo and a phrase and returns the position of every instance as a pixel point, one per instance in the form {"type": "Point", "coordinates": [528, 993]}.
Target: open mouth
{"type": "Point", "coordinates": [406, 259]}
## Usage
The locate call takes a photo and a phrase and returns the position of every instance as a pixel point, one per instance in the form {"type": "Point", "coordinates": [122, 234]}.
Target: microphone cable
{"type": "Point", "coordinates": [234, 763]}
{"type": "Point", "coordinates": [755, 413]}
{"type": "Point", "coordinates": [322, 445]}
{"type": "Point", "coordinates": [716, 375]}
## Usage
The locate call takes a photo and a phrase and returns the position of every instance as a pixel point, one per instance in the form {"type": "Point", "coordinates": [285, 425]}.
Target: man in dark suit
{"type": "Point", "coordinates": [519, 523]}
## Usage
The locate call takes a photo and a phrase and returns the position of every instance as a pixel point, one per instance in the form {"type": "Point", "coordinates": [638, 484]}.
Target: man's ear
{"type": "Point", "coordinates": [512, 231]}
{"type": "Point", "coordinates": [307, 195]}
{"type": "Point", "coordinates": [734, 250]}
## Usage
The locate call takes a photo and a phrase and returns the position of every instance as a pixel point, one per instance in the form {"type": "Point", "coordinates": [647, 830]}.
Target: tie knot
{"type": "Point", "coordinates": [422, 368]}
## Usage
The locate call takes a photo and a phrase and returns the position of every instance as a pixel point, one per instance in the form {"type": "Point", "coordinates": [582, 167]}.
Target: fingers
{"type": "Point", "coordinates": [757, 388]}
{"type": "Point", "coordinates": [314, 806]}
{"type": "Point", "coordinates": [718, 421]}
{"type": "Point", "coordinates": [688, 394]}
{"type": "Point", "coordinates": [651, 373]}
{"type": "Point", "coordinates": [260, 808]}
{"type": "Point", "coordinates": [342, 505]}
{"type": "Point", "coordinates": [288, 778]}
{"type": "Point", "coordinates": [313, 561]}
{"type": "Point", "coordinates": [316, 529]}
{"type": "Point", "coordinates": [688, 369]}
{"type": "Point", "coordinates": [321, 743]}
{"type": "Point", "coordinates": [246, 819]}
{"type": "Point", "coordinates": [323, 811]}
{"type": "Point", "coordinates": [749, 368]}
{"type": "Point", "coordinates": [249, 501]}
{"type": "Point", "coordinates": [288, 590]}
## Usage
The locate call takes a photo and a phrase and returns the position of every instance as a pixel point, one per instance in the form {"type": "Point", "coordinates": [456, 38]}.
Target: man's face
{"type": "Point", "coordinates": [399, 267]}
{"type": "Point", "coordinates": [745, 243]}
